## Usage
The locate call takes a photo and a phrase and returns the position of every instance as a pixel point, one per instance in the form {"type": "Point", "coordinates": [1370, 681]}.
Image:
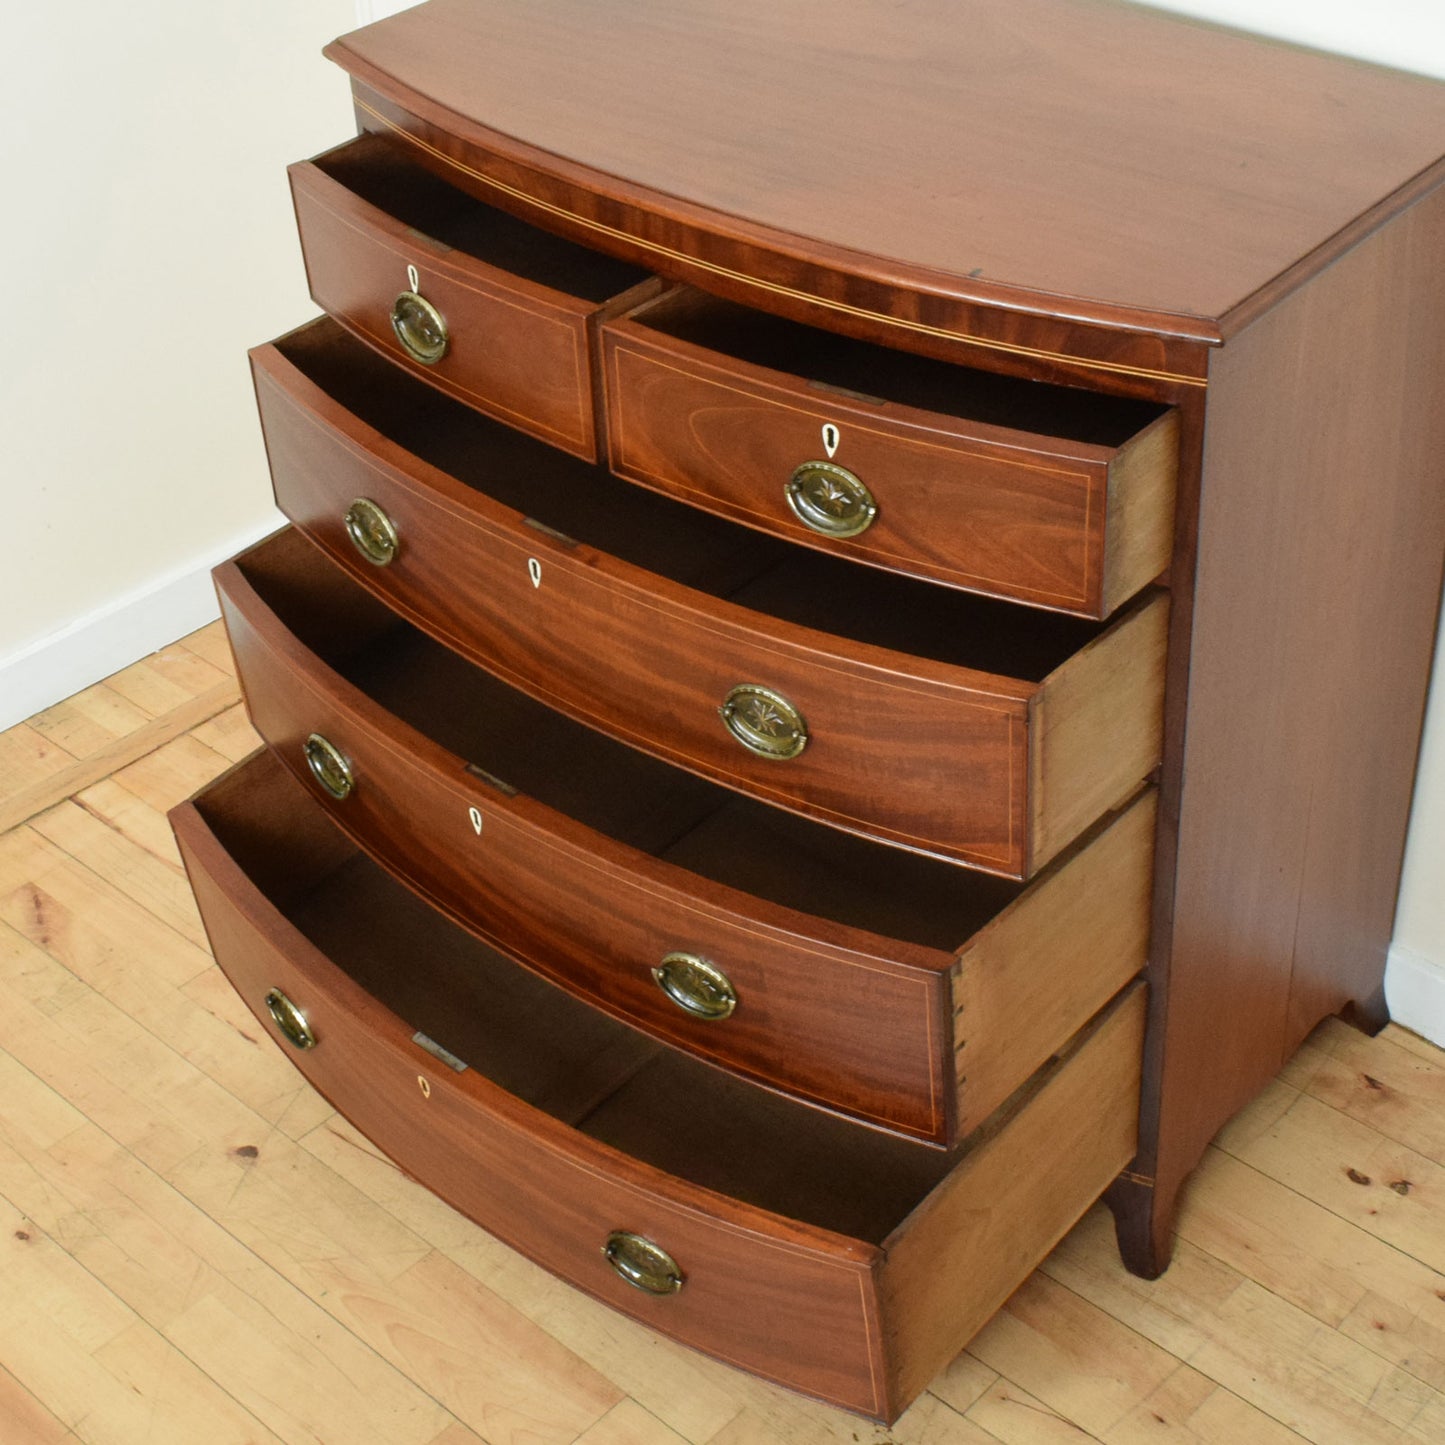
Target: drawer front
{"type": "Point", "coordinates": [1064, 525]}
{"type": "Point", "coordinates": [787, 1302]}
{"type": "Point", "coordinates": [839, 1017]}
{"type": "Point", "coordinates": [907, 750]}
{"type": "Point", "coordinates": [515, 350]}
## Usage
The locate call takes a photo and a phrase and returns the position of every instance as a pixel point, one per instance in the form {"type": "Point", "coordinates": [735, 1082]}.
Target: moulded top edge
{"type": "Point", "coordinates": [1085, 160]}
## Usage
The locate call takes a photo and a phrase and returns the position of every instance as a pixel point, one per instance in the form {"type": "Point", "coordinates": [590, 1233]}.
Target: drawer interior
{"type": "Point", "coordinates": [380, 172]}
{"type": "Point", "coordinates": [622, 793]}
{"type": "Point", "coordinates": [588, 504]}
{"type": "Point", "coordinates": [535, 1041]}
{"type": "Point", "coordinates": [828, 362]}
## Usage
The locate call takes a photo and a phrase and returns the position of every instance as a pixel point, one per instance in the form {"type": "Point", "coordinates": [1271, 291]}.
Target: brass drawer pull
{"type": "Point", "coordinates": [329, 767]}
{"type": "Point", "coordinates": [697, 986]}
{"type": "Point", "coordinates": [372, 532]}
{"type": "Point", "coordinates": [420, 327]}
{"type": "Point", "coordinates": [290, 1020]}
{"type": "Point", "coordinates": [764, 721]}
{"type": "Point", "coordinates": [830, 499]}
{"type": "Point", "coordinates": [643, 1264]}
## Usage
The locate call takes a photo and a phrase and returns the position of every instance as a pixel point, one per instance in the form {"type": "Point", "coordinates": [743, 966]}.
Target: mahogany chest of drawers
{"type": "Point", "coordinates": [846, 672]}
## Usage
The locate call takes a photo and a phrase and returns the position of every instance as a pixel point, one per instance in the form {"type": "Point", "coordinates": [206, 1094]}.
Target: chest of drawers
{"type": "Point", "coordinates": [846, 672]}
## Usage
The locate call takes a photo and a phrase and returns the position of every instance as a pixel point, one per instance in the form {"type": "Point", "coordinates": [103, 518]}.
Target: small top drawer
{"type": "Point", "coordinates": [490, 310]}
{"type": "Point", "coordinates": [1042, 494]}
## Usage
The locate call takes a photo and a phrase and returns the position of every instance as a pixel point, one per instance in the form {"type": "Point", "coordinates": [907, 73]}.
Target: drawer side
{"type": "Point", "coordinates": [977, 1237]}
{"type": "Point", "coordinates": [1051, 961]}
{"type": "Point", "coordinates": [1139, 534]}
{"type": "Point", "coordinates": [1096, 729]}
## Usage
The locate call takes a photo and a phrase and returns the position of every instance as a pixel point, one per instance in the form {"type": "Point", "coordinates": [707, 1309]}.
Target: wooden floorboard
{"type": "Point", "coordinates": [198, 1249]}
{"type": "Point", "coordinates": [93, 734]}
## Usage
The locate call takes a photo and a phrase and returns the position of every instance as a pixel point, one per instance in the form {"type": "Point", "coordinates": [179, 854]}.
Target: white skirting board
{"type": "Point", "coordinates": [116, 635]}
{"type": "Point", "coordinates": [1415, 992]}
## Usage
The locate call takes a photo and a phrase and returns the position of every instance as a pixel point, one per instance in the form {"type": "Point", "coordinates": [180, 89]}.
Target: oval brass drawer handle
{"type": "Point", "coordinates": [372, 532]}
{"type": "Point", "coordinates": [420, 327]}
{"type": "Point", "coordinates": [764, 721]}
{"type": "Point", "coordinates": [643, 1264]}
{"type": "Point", "coordinates": [697, 986]}
{"type": "Point", "coordinates": [329, 767]}
{"type": "Point", "coordinates": [830, 499]}
{"type": "Point", "coordinates": [290, 1020]}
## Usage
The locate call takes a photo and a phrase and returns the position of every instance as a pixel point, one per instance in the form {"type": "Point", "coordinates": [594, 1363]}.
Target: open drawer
{"type": "Point", "coordinates": [948, 723]}
{"type": "Point", "coordinates": [1044, 494]}
{"type": "Point", "coordinates": [902, 990]}
{"type": "Point", "coordinates": [840, 1261]}
{"type": "Point", "coordinates": [489, 309]}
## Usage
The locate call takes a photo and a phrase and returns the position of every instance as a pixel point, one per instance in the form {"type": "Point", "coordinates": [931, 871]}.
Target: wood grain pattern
{"type": "Point", "coordinates": [1139, 531]}
{"type": "Point", "coordinates": [660, 658]}
{"type": "Point", "coordinates": [1117, 248]}
{"type": "Point", "coordinates": [739, 263]}
{"type": "Point", "coordinates": [1080, 141]}
{"type": "Point", "coordinates": [555, 1192]}
{"type": "Point", "coordinates": [102, 728]}
{"type": "Point", "coordinates": [1286, 1309]}
{"type": "Point", "coordinates": [1321, 512]}
{"type": "Point", "coordinates": [1028, 979]}
{"type": "Point", "coordinates": [1060, 523]}
{"type": "Point", "coordinates": [518, 348]}
{"type": "Point", "coordinates": [836, 1013]}
{"type": "Point", "coordinates": [1019, 1188]}
{"type": "Point", "coordinates": [545, 1189]}
{"type": "Point", "coordinates": [1094, 728]}
{"type": "Point", "coordinates": [853, 1020]}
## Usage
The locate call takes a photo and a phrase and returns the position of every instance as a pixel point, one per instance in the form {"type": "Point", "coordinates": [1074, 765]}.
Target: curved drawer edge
{"type": "Point", "coordinates": [1065, 525]}
{"type": "Point", "coordinates": [518, 350]}
{"type": "Point", "coordinates": [745, 1262]}
{"type": "Point", "coordinates": [900, 1079]}
{"type": "Point", "coordinates": [863, 1326]}
{"type": "Point", "coordinates": [986, 323]}
{"type": "Point", "coordinates": [980, 724]}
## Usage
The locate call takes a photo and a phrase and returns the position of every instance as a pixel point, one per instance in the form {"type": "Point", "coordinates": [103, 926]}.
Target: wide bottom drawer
{"type": "Point", "coordinates": [832, 1258]}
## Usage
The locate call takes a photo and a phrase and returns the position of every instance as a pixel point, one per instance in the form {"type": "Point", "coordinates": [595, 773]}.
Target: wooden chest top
{"type": "Point", "coordinates": [1080, 158]}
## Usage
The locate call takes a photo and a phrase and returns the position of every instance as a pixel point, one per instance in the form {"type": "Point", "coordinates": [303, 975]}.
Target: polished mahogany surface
{"type": "Point", "coordinates": [1203, 267]}
{"type": "Point", "coordinates": [501, 558]}
{"type": "Point", "coordinates": [512, 302]}
{"type": "Point", "coordinates": [1081, 158]}
{"type": "Point", "coordinates": [836, 1259]}
{"type": "Point", "coordinates": [1046, 494]}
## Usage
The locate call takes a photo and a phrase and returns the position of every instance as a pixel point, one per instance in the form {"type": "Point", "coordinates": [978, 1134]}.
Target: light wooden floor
{"type": "Point", "coordinates": [198, 1251]}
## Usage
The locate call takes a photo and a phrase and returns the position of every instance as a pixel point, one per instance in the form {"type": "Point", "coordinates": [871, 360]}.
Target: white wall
{"type": "Point", "coordinates": [148, 241]}
{"type": "Point", "coordinates": [1409, 34]}
{"type": "Point", "coordinates": [1415, 980]}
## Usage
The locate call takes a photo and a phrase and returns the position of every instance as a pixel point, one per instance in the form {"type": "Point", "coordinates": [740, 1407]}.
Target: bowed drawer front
{"type": "Point", "coordinates": [781, 427]}
{"type": "Point", "coordinates": [910, 736]}
{"type": "Point", "coordinates": [835, 1259]}
{"type": "Point", "coordinates": [903, 991]}
{"type": "Point", "coordinates": [487, 309]}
